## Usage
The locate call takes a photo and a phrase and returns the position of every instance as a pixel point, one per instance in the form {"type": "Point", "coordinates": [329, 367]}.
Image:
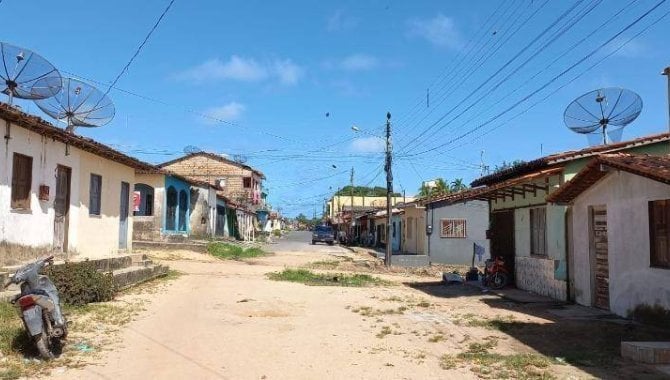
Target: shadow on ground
{"type": "Point", "coordinates": [591, 343]}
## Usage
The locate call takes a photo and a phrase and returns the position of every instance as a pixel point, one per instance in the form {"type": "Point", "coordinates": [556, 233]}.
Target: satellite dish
{"type": "Point", "coordinates": [191, 149]}
{"type": "Point", "coordinates": [240, 158]}
{"type": "Point", "coordinates": [21, 69]}
{"type": "Point", "coordinates": [604, 112]}
{"type": "Point", "coordinates": [79, 104]}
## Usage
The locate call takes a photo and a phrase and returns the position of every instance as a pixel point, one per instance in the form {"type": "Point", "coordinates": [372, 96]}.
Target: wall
{"type": "Point", "coordinates": [35, 227]}
{"type": "Point", "coordinates": [459, 250]}
{"type": "Point", "coordinates": [149, 227]}
{"type": "Point", "coordinates": [632, 280]}
{"type": "Point", "coordinates": [416, 244]}
{"type": "Point", "coordinates": [203, 212]}
{"type": "Point", "coordinates": [98, 235]}
{"type": "Point", "coordinates": [338, 202]}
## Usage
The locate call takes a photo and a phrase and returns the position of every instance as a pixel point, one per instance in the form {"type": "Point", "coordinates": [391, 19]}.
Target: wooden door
{"type": "Point", "coordinates": [599, 257]}
{"type": "Point", "coordinates": [123, 215]}
{"type": "Point", "coordinates": [62, 209]}
{"type": "Point", "coordinates": [502, 237]}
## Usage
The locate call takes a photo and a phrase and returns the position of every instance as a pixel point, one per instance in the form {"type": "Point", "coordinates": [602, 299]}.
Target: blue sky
{"type": "Point", "coordinates": [273, 70]}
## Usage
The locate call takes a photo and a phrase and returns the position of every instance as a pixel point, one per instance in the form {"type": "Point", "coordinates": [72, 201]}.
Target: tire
{"type": "Point", "coordinates": [43, 346]}
{"type": "Point", "coordinates": [498, 280]}
{"type": "Point", "coordinates": [330, 243]}
{"type": "Point", "coordinates": [313, 242]}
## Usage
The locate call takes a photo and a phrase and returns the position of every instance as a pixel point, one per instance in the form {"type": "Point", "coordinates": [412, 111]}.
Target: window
{"type": "Point", "coordinates": [538, 231]}
{"type": "Point", "coordinates": [94, 194]}
{"type": "Point", "coordinates": [143, 200]}
{"type": "Point", "coordinates": [659, 233]}
{"type": "Point", "coordinates": [453, 228]}
{"type": "Point", "coordinates": [22, 175]}
{"type": "Point", "coordinates": [246, 182]}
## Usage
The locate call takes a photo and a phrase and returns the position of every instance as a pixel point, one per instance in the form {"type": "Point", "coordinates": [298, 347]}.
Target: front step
{"type": "Point", "coordinates": [128, 277]}
{"type": "Point", "coordinates": [646, 352]}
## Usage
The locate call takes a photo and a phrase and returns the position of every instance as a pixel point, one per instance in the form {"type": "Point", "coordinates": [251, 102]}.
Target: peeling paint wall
{"type": "Point", "coordinates": [632, 281]}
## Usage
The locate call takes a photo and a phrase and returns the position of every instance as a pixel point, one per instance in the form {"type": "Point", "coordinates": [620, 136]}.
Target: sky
{"type": "Point", "coordinates": [281, 84]}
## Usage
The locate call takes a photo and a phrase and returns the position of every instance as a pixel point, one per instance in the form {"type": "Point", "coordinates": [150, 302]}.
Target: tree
{"type": "Point", "coordinates": [440, 188]}
{"type": "Point", "coordinates": [458, 185]}
{"type": "Point", "coordinates": [508, 165]}
{"type": "Point", "coordinates": [302, 219]}
{"type": "Point", "coordinates": [364, 191]}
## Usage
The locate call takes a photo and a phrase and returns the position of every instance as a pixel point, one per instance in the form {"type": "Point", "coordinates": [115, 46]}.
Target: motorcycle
{"type": "Point", "coordinates": [496, 275]}
{"type": "Point", "coordinates": [39, 307]}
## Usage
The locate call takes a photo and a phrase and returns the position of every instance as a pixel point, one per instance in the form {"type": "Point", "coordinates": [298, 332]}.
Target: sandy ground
{"type": "Point", "coordinates": [226, 320]}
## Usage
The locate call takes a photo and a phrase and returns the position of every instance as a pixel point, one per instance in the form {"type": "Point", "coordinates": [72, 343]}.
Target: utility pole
{"type": "Point", "coordinates": [389, 191]}
{"type": "Point", "coordinates": [666, 72]}
{"type": "Point", "coordinates": [351, 223]}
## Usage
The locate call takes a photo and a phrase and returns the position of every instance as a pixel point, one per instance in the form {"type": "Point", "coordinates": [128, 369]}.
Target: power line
{"type": "Point", "coordinates": [139, 48]}
{"type": "Point", "coordinates": [552, 80]}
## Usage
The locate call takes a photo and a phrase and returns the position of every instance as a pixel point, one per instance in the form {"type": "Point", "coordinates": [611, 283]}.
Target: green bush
{"type": "Point", "coordinates": [80, 283]}
{"type": "Point", "coordinates": [276, 233]}
{"type": "Point", "coordinates": [230, 251]}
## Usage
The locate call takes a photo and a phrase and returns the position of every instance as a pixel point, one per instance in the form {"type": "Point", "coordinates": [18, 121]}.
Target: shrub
{"type": "Point", "coordinates": [230, 251]}
{"type": "Point", "coordinates": [80, 283]}
{"type": "Point", "coordinates": [276, 233]}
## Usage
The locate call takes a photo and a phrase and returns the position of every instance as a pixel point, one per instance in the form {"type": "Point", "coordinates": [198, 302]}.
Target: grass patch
{"type": "Point", "coordinates": [227, 251]}
{"type": "Point", "coordinates": [325, 264]}
{"type": "Point", "coordinates": [307, 277]}
{"type": "Point", "coordinates": [368, 311]}
{"type": "Point", "coordinates": [436, 338]}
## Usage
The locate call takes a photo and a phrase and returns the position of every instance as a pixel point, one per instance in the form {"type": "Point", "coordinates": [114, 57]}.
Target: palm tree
{"type": "Point", "coordinates": [441, 187]}
{"type": "Point", "coordinates": [458, 185]}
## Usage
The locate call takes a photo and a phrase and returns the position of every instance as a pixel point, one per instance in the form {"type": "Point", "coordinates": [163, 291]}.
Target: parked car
{"type": "Point", "coordinates": [323, 234]}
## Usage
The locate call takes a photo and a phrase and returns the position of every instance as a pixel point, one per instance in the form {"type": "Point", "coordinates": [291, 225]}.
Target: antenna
{"type": "Point", "coordinates": [191, 149]}
{"type": "Point", "coordinates": [239, 158]}
{"type": "Point", "coordinates": [21, 69]}
{"type": "Point", "coordinates": [79, 104]}
{"type": "Point", "coordinates": [603, 112]}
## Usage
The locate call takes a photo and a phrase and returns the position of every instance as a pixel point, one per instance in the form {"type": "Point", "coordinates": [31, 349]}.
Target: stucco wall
{"type": "Point", "coordinates": [149, 227]}
{"type": "Point", "coordinates": [416, 244]}
{"type": "Point", "coordinates": [632, 280]}
{"type": "Point", "coordinates": [459, 250]}
{"type": "Point", "coordinates": [35, 227]}
{"type": "Point", "coordinates": [542, 275]}
{"type": "Point", "coordinates": [203, 212]}
{"type": "Point", "coordinates": [98, 235]}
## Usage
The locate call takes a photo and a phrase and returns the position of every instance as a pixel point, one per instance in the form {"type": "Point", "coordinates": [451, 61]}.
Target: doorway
{"type": "Point", "coordinates": [62, 208]}
{"type": "Point", "coordinates": [502, 237]}
{"type": "Point", "coordinates": [123, 215]}
{"type": "Point", "coordinates": [599, 257]}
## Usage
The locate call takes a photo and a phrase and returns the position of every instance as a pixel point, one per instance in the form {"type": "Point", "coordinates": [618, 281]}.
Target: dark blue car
{"type": "Point", "coordinates": [323, 234]}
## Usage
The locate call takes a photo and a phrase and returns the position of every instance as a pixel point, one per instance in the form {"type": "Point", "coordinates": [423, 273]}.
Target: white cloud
{"type": "Point", "coordinates": [243, 69]}
{"type": "Point", "coordinates": [287, 72]}
{"type": "Point", "coordinates": [368, 144]}
{"type": "Point", "coordinates": [439, 30]}
{"type": "Point", "coordinates": [633, 49]}
{"type": "Point", "coordinates": [229, 112]}
{"type": "Point", "coordinates": [359, 62]}
{"type": "Point", "coordinates": [340, 21]}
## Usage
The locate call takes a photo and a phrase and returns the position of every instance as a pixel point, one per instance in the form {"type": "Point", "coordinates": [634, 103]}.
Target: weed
{"type": "Point", "coordinates": [233, 252]}
{"type": "Point", "coordinates": [423, 304]}
{"type": "Point", "coordinates": [386, 330]}
{"type": "Point", "coordinates": [307, 277]}
{"type": "Point", "coordinates": [81, 283]}
{"type": "Point", "coordinates": [325, 264]}
{"type": "Point", "coordinates": [481, 348]}
{"type": "Point", "coordinates": [436, 338]}
{"type": "Point", "coordinates": [448, 361]}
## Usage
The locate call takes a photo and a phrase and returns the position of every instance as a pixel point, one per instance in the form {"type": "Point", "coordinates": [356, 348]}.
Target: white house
{"type": "Point", "coordinates": [63, 192]}
{"type": "Point", "coordinates": [620, 233]}
{"type": "Point", "coordinates": [458, 226]}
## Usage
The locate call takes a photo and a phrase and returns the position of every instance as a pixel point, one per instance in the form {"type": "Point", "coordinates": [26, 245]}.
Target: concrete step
{"type": "Point", "coordinates": [646, 352]}
{"type": "Point", "coordinates": [162, 245]}
{"type": "Point", "coordinates": [128, 277]}
{"type": "Point", "coordinates": [410, 260]}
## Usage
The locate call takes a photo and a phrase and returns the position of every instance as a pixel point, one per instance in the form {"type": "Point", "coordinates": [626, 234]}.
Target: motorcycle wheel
{"type": "Point", "coordinates": [498, 280]}
{"type": "Point", "coordinates": [43, 346]}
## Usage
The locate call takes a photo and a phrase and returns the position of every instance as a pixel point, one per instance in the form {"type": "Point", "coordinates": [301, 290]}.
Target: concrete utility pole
{"type": "Point", "coordinates": [389, 191]}
{"type": "Point", "coordinates": [351, 222]}
{"type": "Point", "coordinates": [666, 72]}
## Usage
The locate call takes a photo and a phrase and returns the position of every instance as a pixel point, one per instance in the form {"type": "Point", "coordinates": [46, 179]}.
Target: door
{"type": "Point", "coordinates": [220, 220]}
{"type": "Point", "coordinates": [600, 257]}
{"type": "Point", "coordinates": [502, 237]}
{"type": "Point", "coordinates": [123, 215]}
{"type": "Point", "coordinates": [62, 208]}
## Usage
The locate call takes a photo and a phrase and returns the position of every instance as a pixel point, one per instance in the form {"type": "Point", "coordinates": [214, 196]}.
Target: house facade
{"type": "Point", "coordinates": [169, 206]}
{"type": "Point", "coordinates": [620, 232]}
{"type": "Point", "coordinates": [457, 227]}
{"type": "Point", "coordinates": [63, 192]}
{"type": "Point", "coordinates": [413, 227]}
{"type": "Point", "coordinates": [532, 234]}
{"type": "Point", "coordinates": [238, 182]}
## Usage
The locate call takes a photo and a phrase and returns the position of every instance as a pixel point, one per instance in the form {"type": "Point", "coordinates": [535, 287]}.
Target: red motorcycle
{"type": "Point", "coordinates": [496, 275]}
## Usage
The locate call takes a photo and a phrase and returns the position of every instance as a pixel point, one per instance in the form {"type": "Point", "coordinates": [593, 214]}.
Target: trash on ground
{"type": "Point", "coordinates": [83, 347]}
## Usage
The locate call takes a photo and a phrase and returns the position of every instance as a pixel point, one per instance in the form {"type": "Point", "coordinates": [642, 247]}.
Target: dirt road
{"type": "Point", "coordinates": [226, 320]}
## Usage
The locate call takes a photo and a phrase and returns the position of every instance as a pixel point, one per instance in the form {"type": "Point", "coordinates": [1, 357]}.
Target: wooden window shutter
{"type": "Point", "coordinates": [659, 233]}
{"type": "Point", "coordinates": [95, 190]}
{"type": "Point", "coordinates": [22, 173]}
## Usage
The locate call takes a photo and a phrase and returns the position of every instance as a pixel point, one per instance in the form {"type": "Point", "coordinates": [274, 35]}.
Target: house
{"type": "Point", "coordinates": [380, 219]}
{"type": "Point", "coordinates": [339, 204]}
{"type": "Point", "coordinates": [63, 192]}
{"type": "Point", "coordinates": [168, 206]}
{"type": "Point", "coordinates": [457, 225]}
{"type": "Point", "coordinates": [239, 182]}
{"type": "Point", "coordinates": [413, 227]}
{"type": "Point", "coordinates": [620, 231]}
{"type": "Point", "coordinates": [530, 233]}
